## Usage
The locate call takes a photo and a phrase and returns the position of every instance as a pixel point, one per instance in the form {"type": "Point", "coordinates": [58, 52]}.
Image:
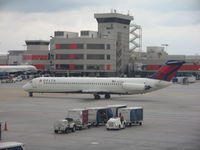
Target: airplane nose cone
{"type": "Point", "coordinates": [27, 87]}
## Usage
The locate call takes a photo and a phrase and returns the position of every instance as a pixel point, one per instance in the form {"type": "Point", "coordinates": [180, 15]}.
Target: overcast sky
{"type": "Point", "coordinates": [173, 22]}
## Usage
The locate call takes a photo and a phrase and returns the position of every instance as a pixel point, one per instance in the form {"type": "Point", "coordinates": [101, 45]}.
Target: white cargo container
{"type": "Point", "coordinates": [132, 115]}
{"type": "Point", "coordinates": [115, 108]}
{"type": "Point", "coordinates": [99, 115]}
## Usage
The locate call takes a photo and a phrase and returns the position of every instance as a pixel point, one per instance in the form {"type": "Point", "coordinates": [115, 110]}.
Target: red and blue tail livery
{"type": "Point", "coordinates": [168, 71]}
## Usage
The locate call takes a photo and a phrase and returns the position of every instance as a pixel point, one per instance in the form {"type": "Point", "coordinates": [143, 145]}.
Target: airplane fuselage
{"type": "Point", "coordinates": [18, 68]}
{"type": "Point", "coordinates": [105, 86]}
{"type": "Point", "coordinates": [94, 85]}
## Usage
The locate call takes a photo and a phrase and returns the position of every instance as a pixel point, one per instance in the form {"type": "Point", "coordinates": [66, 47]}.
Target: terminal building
{"type": "Point", "coordinates": [104, 52]}
{"type": "Point", "coordinates": [15, 57]}
{"type": "Point", "coordinates": [3, 60]}
{"type": "Point", "coordinates": [146, 63]}
{"type": "Point", "coordinates": [37, 54]}
{"type": "Point", "coordinates": [101, 53]}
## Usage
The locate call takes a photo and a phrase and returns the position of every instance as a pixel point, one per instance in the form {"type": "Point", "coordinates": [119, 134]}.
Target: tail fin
{"type": "Point", "coordinates": [168, 71]}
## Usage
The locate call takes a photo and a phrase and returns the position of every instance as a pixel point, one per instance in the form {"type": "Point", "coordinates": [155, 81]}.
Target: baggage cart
{"type": "Point", "coordinates": [115, 108]}
{"type": "Point", "coordinates": [132, 115]}
{"type": "Point", "coordinates": [99, 115]}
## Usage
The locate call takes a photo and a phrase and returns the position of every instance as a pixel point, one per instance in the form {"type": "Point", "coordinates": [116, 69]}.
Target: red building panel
{"type": "Point", "coordinates": [39, 66]}
{"type": "Point", "coordinates": [71, 56]}
{"type": "Point", "coordinates": [72, 46]}
{"type": "Point", "coordinates": [108, 67]}
{"type": "Point", "coordinates": [58, 66]}
{"type": "Point", "coordinates": [26, 57]}
{"type": "Point", "coordinates": [190, 67]}
{"type": "Point", "coordinates": [44, 57]}
{"type": "Point", "coordinates": [184, 67]}
{"type": "Point", "coordinates": [71, 67]}
{"type": "Point", "coordinates": [35, 57]}
{"type": "Point", "coordinates": [58, 56]}
{"type": "Point", "coordinates": [58, 46]}
{"type": "Point", "coordinates": [152, 67]}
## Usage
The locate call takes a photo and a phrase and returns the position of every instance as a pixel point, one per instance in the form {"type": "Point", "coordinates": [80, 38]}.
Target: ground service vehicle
{"type": "Point", "coordinates": [115, 124]}
{"type": "Point", "coordinates": [132, 115]}
{"type": "Point", "coordinates": [12, 146]}
{"type": "Point", "coordinates": [99, 115]}
{"type": "Point", "coordinates": [80, 117]}
{"type": "Point", "coordinates": [65, 126]}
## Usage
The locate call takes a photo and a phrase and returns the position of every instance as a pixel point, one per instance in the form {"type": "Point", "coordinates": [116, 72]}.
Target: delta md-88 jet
{"type": "Point", "coordinates": [105, 86]}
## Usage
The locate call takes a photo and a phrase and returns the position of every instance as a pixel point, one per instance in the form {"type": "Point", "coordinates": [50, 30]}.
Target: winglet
{"type": "Point", "coordinates": [168, 71]}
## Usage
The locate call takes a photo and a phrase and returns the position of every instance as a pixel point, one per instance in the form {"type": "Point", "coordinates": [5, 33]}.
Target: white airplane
{"type": "Point", "coordinates": [18, 68]}
{"type": "Point", "coordinates": [105, 86]}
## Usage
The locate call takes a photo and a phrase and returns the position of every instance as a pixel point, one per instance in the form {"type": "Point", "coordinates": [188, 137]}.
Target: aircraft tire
{"type": "Point", "coordinates": [96, 124]}
{"type": "Point", "coordinates": [96, 96]}
{"type": "Point", "coordinates": [56, 131]}
{"type": "Point", "coordinates": [107, 96]}
{"type": "Point", "coordinates": [66, 130]}
{"type": "Point", "coordinates": [74, 129]}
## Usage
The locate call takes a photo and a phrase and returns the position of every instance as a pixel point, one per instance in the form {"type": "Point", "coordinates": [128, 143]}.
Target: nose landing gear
{"type": "Point", "coordinates": [107, 96]}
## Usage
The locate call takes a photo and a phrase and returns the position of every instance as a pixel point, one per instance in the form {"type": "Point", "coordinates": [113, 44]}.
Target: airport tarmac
{"type": "Point", "coordinates": [171, 120]}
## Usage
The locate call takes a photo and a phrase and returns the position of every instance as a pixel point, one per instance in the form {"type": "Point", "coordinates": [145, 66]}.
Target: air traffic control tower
{"type": "Point", "coordinates": [116, 27]}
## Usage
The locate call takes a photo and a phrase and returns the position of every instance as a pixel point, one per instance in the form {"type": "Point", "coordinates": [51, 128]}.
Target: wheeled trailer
{"type": "Point", "coordinates": [115, 108]}
{"type": "Point", "coordinates": [132, 115]}
{"type": "Point", "coordinates": [99, 115]}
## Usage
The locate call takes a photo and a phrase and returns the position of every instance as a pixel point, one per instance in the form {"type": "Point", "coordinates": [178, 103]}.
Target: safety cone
{"type": "Point", "coordinates": [5, 127]}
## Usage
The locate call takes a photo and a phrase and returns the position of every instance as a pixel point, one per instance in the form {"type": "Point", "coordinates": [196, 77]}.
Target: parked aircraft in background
{"type": "Point", "coordinates": [18, 68]}
{"type": "Point", "coordinates": [105, 86]}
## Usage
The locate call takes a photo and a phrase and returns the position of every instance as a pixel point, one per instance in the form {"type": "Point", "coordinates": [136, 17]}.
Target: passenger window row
{"type": "Point", "coordinates": [82, 83]}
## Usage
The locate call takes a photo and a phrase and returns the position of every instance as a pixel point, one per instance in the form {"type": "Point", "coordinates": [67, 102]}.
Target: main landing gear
{"type": "Point", "coordinates": [107, 96]}
{"type": "Point", "coordinates": [97, 96]}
